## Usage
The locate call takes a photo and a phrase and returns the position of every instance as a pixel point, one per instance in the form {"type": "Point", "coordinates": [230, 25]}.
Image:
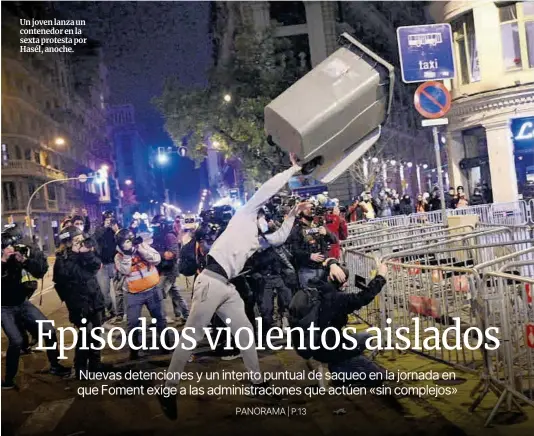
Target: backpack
{"type": "Point", "coordinates": [304, 309]}
{"type": "Point", "coordinates": [188, 260]}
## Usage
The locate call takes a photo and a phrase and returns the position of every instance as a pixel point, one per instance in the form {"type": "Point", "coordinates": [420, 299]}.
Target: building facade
{"type": "Point", "coordinates": [491, 123]}
{"type": "Point", "coordinates": [53, 128]}
{"type": "Point", "coordinates": [135, 169]}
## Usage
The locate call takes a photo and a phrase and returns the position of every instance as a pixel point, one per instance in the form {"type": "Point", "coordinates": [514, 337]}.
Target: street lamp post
{"type": "Point", "coordinates": [82, 178]}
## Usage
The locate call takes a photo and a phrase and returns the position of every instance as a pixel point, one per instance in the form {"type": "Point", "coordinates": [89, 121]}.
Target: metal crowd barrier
{"type": "Point", "coordinates": [376, 236]}
{"type": "Point", "coordinates": [512, 213]}
{"type": "Point", "coordinates": [507, 303]}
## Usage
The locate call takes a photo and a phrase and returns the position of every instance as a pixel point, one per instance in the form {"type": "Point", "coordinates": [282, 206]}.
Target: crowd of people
{"type": "Point", "coordinates": [389, 202]}
{"type": "Point", "coordinates": [261, 260]}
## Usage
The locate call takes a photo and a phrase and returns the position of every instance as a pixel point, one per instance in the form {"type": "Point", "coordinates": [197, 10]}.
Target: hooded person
{"type": "Point", "coordinates": [212, 290]}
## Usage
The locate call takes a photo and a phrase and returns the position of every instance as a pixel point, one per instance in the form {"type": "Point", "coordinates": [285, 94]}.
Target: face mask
{"type": "Point", "coordinates": [80, 227]}
{"type": "Point", "coordinates": [262, 225]}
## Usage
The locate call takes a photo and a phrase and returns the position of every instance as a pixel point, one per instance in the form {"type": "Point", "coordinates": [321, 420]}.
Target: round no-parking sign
{"type": "Point", "coordinates": [432, 100]}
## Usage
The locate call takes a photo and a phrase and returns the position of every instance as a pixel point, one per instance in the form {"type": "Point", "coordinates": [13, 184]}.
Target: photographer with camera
{"type": "Point", "coordinates": [106, 247]}
{"type": "Point", "coordinates": [167, 244]}
{"type": "Point", "coordinates": [19, 260]}
{"type": "Point", "coordinates": [324, 303]}
{"type": "Point", "coordinates": [75, 271]}
{"type": "Point", "coordinates": [309, 244]}
{"type": "Point", "coordinates": [137, 261]}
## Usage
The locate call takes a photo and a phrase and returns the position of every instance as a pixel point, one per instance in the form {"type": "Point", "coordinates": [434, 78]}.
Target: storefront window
{"type": "Point", "coordinates": [466, 48]}
{"type": "Point", "coordinates": [522, 130]}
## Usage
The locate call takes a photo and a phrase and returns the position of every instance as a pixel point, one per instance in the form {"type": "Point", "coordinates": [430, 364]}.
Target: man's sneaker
{"type": "Point", "coordinates": [118, 320]}
{"type": "Point", "coordinates": [59, 370]}
{"type": "Point", "coordinates": [180, 321]}
{"type": "Point", "coordinates": [169, 406]}
{"type": "Point", "coordinates": [231, 357]}
{"type": "Point", "coordinates": [8, 384]}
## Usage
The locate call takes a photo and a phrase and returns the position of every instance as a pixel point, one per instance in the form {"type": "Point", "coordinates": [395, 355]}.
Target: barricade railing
{"type": "Point", "coordinates": [512, 213]}
{"type": "Point", "coordinates": [383, 235]}
{"type": "Point", "coordinates": [437, 285]}
{"type": "Point", "coordinates": [483, 211]}
{"type": "Point", "coordinates": [362, 265]}
{"type": "Point", "coordinates": [509, 213]}
{"type": "Point", "coordinates": [507, 304]}
{"type": "Point", "coordinates": [399, 241]}
{"type": "Point", "coordinates": [434, 217]}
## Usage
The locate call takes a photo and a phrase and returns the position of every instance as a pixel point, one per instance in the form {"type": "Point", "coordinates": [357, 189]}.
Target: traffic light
{"type": "Point", "coordinates": [27, 221]}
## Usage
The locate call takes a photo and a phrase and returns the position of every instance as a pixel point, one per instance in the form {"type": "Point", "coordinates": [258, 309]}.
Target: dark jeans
{"type": "Point", "coordinates": [152, 300]}
{"type": "Point", "coordinates": [273, 285]}
{"type": "Point", "coordinates": [14, 318]}
{"type": "Point", "coordinates": [88, 359]}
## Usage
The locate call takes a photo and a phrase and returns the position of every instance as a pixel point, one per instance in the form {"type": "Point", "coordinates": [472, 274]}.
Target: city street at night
{"type": "Point", "coordinates": [267, 218]}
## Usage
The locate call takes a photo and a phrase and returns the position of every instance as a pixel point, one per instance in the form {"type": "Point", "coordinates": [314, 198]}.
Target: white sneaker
{"type": "Point", "coordinates": [285, 322]}
{"type": "Point", "coordinates": [231, 357]}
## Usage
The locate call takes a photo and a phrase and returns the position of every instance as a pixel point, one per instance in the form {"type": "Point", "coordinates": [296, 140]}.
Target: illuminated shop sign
{"type": "Point", "coordinates": [523, 133]}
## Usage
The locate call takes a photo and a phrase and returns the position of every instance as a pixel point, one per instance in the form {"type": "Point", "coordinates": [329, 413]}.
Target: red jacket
{"type": "Point", "coordinates": [338, 226]}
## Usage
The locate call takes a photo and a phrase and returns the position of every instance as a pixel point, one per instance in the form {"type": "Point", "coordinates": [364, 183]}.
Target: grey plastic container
{"type": "Point", "coordinates": [330, 110]}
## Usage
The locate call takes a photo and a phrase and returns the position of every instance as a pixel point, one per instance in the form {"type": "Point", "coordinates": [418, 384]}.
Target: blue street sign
{"type": "Point", "coordinates": [426, 52]}
{"type": "Point", "coordinates": [432, 100]}
{"type": "Point", "coordinates": [523, 133]}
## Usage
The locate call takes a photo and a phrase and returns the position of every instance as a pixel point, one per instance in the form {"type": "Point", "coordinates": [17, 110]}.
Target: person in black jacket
{"type": "Point", "coordinates": [18, 314]}
{"type": "Point", "coordinates": [406, 207]}
{"type": "Point", "coordinates": [335, 307]}
{"type": "Point", "coordinates": [309, 246]}
{"type": "Point", "coordinates": [106, 249]}
{"type": "Point", "coordinates": [75, 281]}
{"type": "Point", "coordinates": [477, 198]}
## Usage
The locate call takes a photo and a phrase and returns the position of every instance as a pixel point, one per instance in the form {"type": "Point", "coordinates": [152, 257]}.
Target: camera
{"type": "Point", "coordinates": [22, 249]}
{"type": "Point", "coordinates": [89, 243]}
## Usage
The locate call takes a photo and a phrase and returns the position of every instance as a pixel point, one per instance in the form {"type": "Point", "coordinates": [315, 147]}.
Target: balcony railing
{"type": "Point", "coordinates": [30, 168]}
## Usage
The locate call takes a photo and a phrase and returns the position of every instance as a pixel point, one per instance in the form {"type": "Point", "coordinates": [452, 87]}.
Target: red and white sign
{"type": "Point", "coordinates": [530, 334]}
{"type": "Point", "coordinates": [432, 100]}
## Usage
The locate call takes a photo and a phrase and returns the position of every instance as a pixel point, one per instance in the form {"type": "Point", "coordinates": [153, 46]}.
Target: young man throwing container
{"type": "Point", "coordinates": [213, 292]}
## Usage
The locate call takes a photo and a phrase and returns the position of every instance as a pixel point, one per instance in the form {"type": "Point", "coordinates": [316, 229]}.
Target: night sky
{"type": "Point", "coordinates": [145, 42]}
